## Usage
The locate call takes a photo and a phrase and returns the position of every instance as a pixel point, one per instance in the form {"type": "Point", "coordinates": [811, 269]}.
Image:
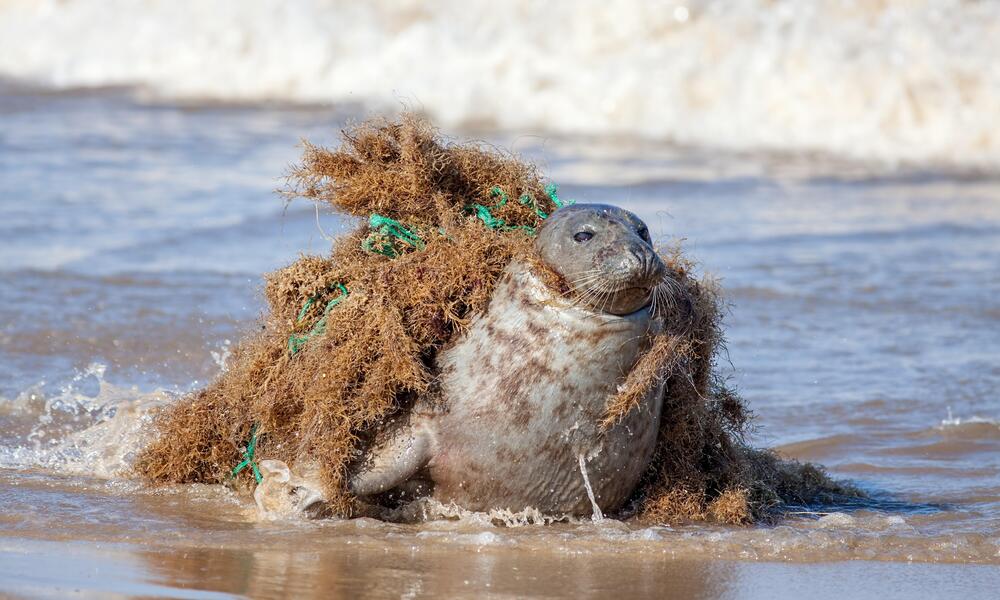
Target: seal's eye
{"type": "Point", "coordinates": [582, 236]}
{"type": "Point", "coordinates": [644, 233]}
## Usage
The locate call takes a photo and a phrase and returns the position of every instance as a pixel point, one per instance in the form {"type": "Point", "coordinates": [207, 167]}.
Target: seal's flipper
{"type": "Point", "coordinates": [282, 493]}
{"type": "Point", "coordinates": [392, 460]}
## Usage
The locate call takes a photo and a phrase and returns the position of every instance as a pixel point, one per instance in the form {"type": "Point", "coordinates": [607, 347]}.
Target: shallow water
{"type": "Point", "coordinates": [863, 331]}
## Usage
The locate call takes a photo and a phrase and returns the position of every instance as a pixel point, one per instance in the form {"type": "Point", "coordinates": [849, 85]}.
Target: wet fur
{"type": "Point", "coordinates": [525, 392]}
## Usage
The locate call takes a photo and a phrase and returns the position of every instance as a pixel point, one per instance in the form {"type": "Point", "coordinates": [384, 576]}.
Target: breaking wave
{"type": "Point", "coordinates": [894, 81]}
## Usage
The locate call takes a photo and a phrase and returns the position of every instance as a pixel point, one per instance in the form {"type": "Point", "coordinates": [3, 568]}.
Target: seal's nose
{"type": "Point", "coordinates": [639, 253]}
{"type": "Point", "coordinates": [646, 262]}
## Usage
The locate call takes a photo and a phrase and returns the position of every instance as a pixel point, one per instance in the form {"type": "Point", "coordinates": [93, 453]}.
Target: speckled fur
{"type": "Point", "coordinates": [525, 390]}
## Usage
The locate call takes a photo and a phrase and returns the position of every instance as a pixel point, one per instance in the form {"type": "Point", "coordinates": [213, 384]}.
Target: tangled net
{"type": "Point", "coordinates": [350, 339]}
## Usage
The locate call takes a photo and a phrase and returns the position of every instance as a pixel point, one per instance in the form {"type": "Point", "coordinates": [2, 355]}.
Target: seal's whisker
{"type": "Point", "coordinates": [662, 299]}
{"type": "Point", "coordinates": [600, 301]}
{"type": "Point", "coordinates": [581, 298]}
{"type": "Point", "coordinates": [588, 283]}
{"type": "Point", "coordinates": [585, 281]}
{"type": "Point", "coordinates": [653, 296]}
{"type": "Point", "coordinates": [585, 271]}
{"type": "Point", "coordinates": [592, 293]}
{"type": "Point", "coordinates": [581, 288]}
{"type": "Point", "coordinates": [608, 294]}
{"type": "Point", "coordinates": [663, 291]}
{"type": "Point", "coordinates": [670, 282]}
{"type": "Point", "coordinates": [596, 295]}
{"type": "Point", "coordinates": [592, 274]}
{"type": "Point", "coordinates": [667, 299]}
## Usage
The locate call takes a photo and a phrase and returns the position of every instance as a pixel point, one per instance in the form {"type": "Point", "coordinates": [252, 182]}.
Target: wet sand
{"type": "Point", "coordinates": [97, 539]}
{"type": "Point", "coordinates": [59, 570]}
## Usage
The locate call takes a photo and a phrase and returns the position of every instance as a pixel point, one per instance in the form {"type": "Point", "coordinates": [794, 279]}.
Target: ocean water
{"type": "Point", "coordinates": [838, 169]}
{"type": "Point", "coordinates": [893, 80]}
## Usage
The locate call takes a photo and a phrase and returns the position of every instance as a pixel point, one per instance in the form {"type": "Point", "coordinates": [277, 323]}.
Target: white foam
{"type": "Point", "coordinates": [74, 432]}
{"type": "Point", "coordinates": [435, 513]}
{"type": "Point", "coordinates": [221, 357]}
{"type": "Point", "coordinates": [953, 421]}
{"type": "Point", "coordinates": [900, 80]}
{"type": "Point", "coordinates": [837, 519]}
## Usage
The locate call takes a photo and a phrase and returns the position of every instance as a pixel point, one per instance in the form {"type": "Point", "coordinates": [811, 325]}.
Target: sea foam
{"type": "Point", "coordinates": [896, 81]}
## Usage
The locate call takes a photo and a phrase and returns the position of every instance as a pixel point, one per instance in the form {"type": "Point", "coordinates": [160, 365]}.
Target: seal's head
{"type": "Point", "coordinates": [605, 255]}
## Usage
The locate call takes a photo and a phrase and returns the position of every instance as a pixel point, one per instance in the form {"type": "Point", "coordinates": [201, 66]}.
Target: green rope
{"type": "Point", "coordinates": [389, 229]}
{"type": "Point", "coordinates": [248, 461]}
{"type": "Point", "coordinates": [485, 213]}
{"type": "Point", "coordinates": [551, 190]}
{"type": "Point", "coordinates": [525, 199]}
{"type": "Point", "coordinates": [296, 342]}
{"type": "Point", "coordinates": [486, 216]}
{"type": "Point", "coordinates": [496, 192]}
{"type": "Point", "coordinates": [529, 200]}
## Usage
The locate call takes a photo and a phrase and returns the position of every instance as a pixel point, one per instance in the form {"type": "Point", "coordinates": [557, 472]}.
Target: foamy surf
{"type": "Point", "coordinates": [79, 431]}
{"type": "Point", "coordinates": [896, 81]}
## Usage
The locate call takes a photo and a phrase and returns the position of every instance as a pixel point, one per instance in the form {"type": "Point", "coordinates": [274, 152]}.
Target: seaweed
{"type": "Point", "coordinates": [350, 339]}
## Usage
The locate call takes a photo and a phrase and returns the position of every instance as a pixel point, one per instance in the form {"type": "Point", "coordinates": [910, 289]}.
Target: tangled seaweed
{"type": "Point", "coordinates": [350, 340]}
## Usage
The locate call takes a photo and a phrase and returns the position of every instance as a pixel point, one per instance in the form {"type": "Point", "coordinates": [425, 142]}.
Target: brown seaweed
{"type": "Point", "coordinates": [327, 369]}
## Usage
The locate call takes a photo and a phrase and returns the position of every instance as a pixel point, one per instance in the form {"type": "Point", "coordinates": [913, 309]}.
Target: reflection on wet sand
{"type": "Point", "coordinates": [78, 569]}
{"type": "Point", "coordinates": [397, 572]}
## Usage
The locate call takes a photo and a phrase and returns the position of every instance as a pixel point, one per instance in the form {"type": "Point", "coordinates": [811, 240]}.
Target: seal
{"type": "Point", "coordinates": [523, 391]}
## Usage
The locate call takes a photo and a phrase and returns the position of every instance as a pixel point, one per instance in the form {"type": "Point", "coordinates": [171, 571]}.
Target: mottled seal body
{"type": "Point", "coordinates": [524, 390]}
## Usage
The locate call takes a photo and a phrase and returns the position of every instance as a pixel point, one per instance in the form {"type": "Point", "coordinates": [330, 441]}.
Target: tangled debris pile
{"type": "Point", "coordinates": [350, 339]}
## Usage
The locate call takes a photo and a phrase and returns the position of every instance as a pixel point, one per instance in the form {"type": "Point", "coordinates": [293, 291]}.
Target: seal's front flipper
{"type": "Point", "coordinates": [282, 494]}
{"type": "Point", "coordinates": [395, 457]}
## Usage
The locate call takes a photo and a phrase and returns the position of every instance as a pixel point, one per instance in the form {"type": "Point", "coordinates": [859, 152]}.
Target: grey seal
{"type": "Point", "coordinates": [523, 391]}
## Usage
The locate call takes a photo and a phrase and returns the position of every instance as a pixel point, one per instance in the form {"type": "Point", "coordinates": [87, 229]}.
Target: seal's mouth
{"type": "Point", "coordinates": [632, 292]}
{"type": "Point", "coordinates": [616, 293]}
{"type": "Point", "coordinates": [645, 289]}
{"type": "Point", "coordinates": [623, 300]}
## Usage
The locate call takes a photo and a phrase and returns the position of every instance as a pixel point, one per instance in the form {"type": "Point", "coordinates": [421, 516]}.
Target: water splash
{"type": "Point", "coordinates": [221, 356]}
{"type": "Point", "coordinates": [953, 421]}
{"type": "Point", "coordinates": [90, 427]}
